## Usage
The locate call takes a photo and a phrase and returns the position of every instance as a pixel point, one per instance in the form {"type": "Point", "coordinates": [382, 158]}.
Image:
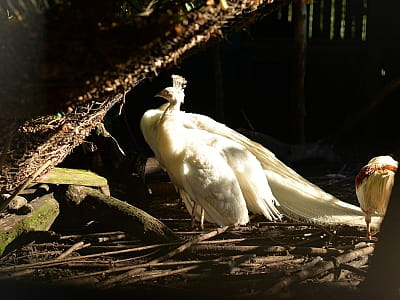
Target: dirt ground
{"type": "Point", "coordinates": [278, 260]}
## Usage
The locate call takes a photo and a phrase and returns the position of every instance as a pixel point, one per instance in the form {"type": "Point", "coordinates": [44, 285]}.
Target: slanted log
{"type": "Point", "coordinates": [125, 216]}
{"type": "Point", "coordinates": [44, 212]}
{"type": "Point", "coordinates": [75, 177]}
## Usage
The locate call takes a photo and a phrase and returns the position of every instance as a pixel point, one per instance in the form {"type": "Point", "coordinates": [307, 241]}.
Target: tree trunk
{"type": "Point", "coordinates": [299, 68]}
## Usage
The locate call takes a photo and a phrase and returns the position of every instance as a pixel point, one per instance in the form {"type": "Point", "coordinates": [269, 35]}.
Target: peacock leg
{"type": "Point", "coordinates": [202, 219]}
{"type": "Point", "coordinates": [368, 221]}
{"type": "Point", "coordinates": [193, 215]}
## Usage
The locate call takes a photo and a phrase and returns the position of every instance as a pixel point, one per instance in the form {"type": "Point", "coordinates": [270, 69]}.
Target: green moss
{"type": "Point", "coordinates": [73, 176]}
{"type": "Point", "coordinates": [45, 211]}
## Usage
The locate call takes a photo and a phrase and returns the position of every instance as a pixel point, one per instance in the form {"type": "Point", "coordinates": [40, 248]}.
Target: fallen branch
{"type": "Point", "coordinates": [156, 274]}
{"type": "Point", "coordinates": [97, 237]}
{"type": "Point", "coordinates": [262, 249]}
{"type": "Point", "coordinates": [125, 276]}
{"type": "Point", "coordinates": [117, 269]}
{"type": "Point", "coordinates": [44, 212]}
{"type": "Point", "coordinates": [271, 259]}
{"type": "Point", "coordinates": [74, 247]}
{"type": "Point", "coordinates": [285, 262]}
{"type": "Point", "coordinates": [235, 249]}
{"type": "Point", "coordinates": [318, 269]}
{"type": "Point", "coordinates": [112, 266]}
{"type": "Point", "coordinates": [192, 242]}
{"type": "Point", "coordinates": [75, 177]}
{"type": "Point", "coordinates": [58, 262]}
{"type": "Point", "coordinates": [128, 217]}
{"type": "Point", "coordinates": [306, 265]}
{"type": "Point", "coordinates": [276, 263]}
{"type": "Point", "coordinates": [353, 269]}
{"type": "Point", "coordinates": [237, 240]}
{"type": "Point", "coordinates": [21, 187]}
{"type": "Point", "coordinates": [343, 270]}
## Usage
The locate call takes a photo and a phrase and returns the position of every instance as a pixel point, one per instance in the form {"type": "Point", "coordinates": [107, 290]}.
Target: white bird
{"type": "Point", "coordinates": [374, 183]}
{"type": "Point", "coordinates": [298, 198]}
{"type": "Point", "coordinates": [212, 171]}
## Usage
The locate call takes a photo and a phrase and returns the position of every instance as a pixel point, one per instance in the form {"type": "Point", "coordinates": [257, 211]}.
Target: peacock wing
{"type": "Point", "coordinates": [250, 175]}
{"type": "Point", "coordinates": [210, 182]}
{"type": "Point", "coordinates": [376, 191]}
{"type": "Point", "coordinates": [189, 204]}
{"type": "Point", "coordinates": [298, 198]}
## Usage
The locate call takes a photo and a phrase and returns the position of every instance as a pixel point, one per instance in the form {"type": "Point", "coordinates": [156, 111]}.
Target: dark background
{"type": "Point", "coordinates": [344, 73]}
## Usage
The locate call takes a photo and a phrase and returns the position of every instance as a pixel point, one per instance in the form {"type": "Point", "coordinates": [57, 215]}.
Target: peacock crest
{"type": "Point", "coordinates": [178, 82]}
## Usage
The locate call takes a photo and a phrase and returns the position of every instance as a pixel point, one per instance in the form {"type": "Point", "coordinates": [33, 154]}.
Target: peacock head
{"type": "Point", "coordinates": [173, 95]}
{"type": "Point", "coordinates": [384, 160]}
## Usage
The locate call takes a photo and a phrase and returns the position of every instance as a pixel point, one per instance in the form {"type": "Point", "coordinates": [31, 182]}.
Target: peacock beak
{"type": "Point", "coordinates": [160, 94]}
{"type": "Point", "coordinates": [165, 93]}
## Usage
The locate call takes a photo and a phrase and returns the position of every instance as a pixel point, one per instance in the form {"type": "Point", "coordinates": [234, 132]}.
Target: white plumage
{"type": "Point", "coordinates": [374, 183]}
{"type": "Point", "coordinates": [298, 198]}
{"type": "Point", "coordinates": [210, 170]}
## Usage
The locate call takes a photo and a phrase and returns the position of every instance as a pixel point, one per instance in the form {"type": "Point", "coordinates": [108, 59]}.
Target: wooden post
{"type": "Point", "coordinates": [326, 15]}
{"type": "Point", "coordinates": [299, 68]}
{"type": "Point", "coordinates": [338, 18]}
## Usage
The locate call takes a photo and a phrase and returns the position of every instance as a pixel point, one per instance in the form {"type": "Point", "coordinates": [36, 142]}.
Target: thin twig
{"type": "Point", "coordinates": [306, 265]}
{"type": "Point", "coordinates": [238, 240]}
{"type": "Point", "coordinates": [24, 185]}
{"type": "Point", "coordinates": [224, 261]}
{"type": "Point", "coordinates": [52, 263]}
{"type": "Point", "coordinates": [102, 236]}
{"type": "Point", "coordinates": [263, 249]}
{"type": "Point", "coordinates": [276, 263]}
{"type": "Point", "coordinates": [270, 259]}
{"type": "Point", "coordinates": [192, 242]}
{"type": "Point", "coordinates": [285, 262]}
{"type": "Point", "coordinates": [353, 269]}
{"type": "Point", "coordinates": [259, 250]}
{"type": "Point", "coordinates": [157, 274]}
{"type": "Point", "coordinates": [120, 278]}
{"type": "Point", "coordinates": [318, 269]}
{"type": "Point", "coordinates": [74, 247]}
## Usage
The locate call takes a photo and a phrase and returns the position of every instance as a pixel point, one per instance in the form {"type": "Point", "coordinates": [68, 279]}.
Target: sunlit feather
{"type": "Point", "coordinates": [210, 170]}
{"type": "Point", "coordinates": [296, 197]}
{"type": "Point", "coordinates": [374, 183]}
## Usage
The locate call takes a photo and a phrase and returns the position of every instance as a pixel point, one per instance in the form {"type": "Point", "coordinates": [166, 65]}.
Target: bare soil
{"type": "Point", "coordinates": [278, 260]}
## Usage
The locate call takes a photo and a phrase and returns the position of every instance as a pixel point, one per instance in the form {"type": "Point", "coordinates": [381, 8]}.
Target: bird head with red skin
{"type": "Point", "coordinates": [373, 184]}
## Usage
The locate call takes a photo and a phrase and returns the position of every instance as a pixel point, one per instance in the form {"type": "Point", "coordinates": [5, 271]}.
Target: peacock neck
{"type": "Point", "coordinates": [171, 133]}
{"type": "Point", "coordinates": [171, 137]}
{"type": "Point", "coordinates": [174, 107]}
